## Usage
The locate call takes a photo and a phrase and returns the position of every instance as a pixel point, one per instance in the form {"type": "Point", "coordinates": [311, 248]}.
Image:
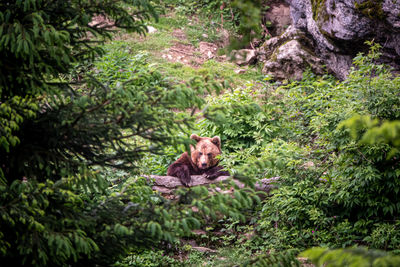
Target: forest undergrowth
{"type": "Point", "coordinates": [81, 131]}
{"type": "Point", "coordinates": [338, 181]}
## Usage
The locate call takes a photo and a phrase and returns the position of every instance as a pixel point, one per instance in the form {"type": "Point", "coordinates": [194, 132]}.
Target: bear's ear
{"type": "Point", "coordinates": [195, 137]}
{"type": "Point", "coordinates": [217, 141]}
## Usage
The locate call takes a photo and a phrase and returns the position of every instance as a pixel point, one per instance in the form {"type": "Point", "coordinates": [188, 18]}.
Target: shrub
{"type": "Point", "coordinates": [75, 131]}
{"type": "Point", "coordinates": [333, 189]}
{"type": "Point", "coordinates": [350, 257]}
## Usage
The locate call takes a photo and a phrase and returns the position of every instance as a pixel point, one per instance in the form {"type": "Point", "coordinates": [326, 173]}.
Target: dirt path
{"type": "Point", "coordinates": [184, 52]}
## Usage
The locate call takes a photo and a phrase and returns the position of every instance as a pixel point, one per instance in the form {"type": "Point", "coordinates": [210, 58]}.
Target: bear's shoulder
{"type": "Point", "coordinates": [184, 159]}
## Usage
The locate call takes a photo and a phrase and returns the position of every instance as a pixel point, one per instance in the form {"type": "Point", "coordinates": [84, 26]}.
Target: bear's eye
{"type": "Point", "coordinates": [209, 154]}
{"type": "Point", "coordinates": [200, 154]}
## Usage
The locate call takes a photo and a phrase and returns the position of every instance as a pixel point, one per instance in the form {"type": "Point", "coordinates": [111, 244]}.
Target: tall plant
{"type": "Point", "coordinates": [66, 124]}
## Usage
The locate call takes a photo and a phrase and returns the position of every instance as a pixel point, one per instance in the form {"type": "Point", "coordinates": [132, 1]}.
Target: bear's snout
{"type": "Point", "coordinates": [204, 161]}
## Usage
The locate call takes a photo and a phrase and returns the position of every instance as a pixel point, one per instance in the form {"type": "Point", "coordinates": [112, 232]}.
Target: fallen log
{"type": "Point", "coordinates": [165, 184]}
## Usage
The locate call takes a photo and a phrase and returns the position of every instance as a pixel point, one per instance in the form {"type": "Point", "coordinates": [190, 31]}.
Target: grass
{"type": "Point", "coordinates": [194, 29]}
{"type": "Point", "coordinates": [151, 43]}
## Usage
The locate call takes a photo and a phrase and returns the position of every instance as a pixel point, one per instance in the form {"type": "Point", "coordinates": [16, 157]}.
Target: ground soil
{"type": "Point", "coordinates": [184, 52]}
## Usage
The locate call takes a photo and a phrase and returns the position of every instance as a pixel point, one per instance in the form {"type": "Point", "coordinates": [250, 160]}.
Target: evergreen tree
{"type": "Point", "coordinates": [62, 127]}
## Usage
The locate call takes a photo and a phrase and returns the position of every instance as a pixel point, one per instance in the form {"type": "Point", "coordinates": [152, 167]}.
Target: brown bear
{"type": "Point", "coordinates": [202, 161]}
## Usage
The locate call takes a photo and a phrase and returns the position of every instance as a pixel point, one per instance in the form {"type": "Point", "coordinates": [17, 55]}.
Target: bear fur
{"type": "Point", "coordinates": [202, 160]}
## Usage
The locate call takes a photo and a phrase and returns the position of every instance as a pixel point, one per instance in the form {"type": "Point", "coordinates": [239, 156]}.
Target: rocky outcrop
{"type": "Point", "coordinates": [337, 30]}
{"type": "Point", "coordinates": [289, 55]}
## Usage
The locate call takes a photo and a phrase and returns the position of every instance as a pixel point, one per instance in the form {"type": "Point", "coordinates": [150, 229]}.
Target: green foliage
{"type": "Point", "coordinates": [145, 257]}
{"type": "Point", "coordinates": [350, 257]}
{"type": "Point", "coordinates": [39, 43]}
{"type": "Point", "coordinates": [221, 13]}
{"type": "Point", "coordinates": [380, 125]}
{"type": "Point", "coordinates": [79, 124]}
{"type": "Point", "coordinates": [240, 17]}
{"type": "Point", "coordinates": [373, 131]}
{"type": "Point", "coordinates": [77, 129]}
{"type": "Point", "coordinates": [44, 157]}
{"type": "Point", "coordinates": [12, 114]}
{"type": "Point", "coordinates": [250, 17]}
{"type": "Point", "coordinates": [333, 190]}
{"type": "Point", "coordinates": [284, 259]}
{"type": "Point", "coordinates": [43, 222]}
{"type": "Point", "coordinates": [239, 119]}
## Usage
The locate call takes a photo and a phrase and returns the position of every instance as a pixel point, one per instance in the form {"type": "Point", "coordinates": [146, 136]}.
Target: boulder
{"type": "Point", "coordinates": [172, 182]}
{"type": "Point", "coordinates": [289, 55]}
{"type": "Point", "coordinates": [244, 56]}
{"type": "Point", "coordinates": [266, 184]}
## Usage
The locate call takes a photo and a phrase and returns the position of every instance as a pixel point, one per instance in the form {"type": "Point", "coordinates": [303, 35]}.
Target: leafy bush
{"type": "Point", "coordinates": [338, 172]}
{"type": "Point", "coordinates": [283, 259]}
{"type": "Point", "coordinates": [76, 131]}
{"type": "Point", "coordinates": [333, 189]}
{"type": "Point", "coordinates": [350, 257]}
{"type": "Point", "coordinates": [239, 119]}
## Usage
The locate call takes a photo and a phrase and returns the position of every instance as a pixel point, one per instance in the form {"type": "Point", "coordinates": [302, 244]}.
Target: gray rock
{"type": "Point", "coordinates": [340, 20]}
{"type": "Point", "coordinates": [339, 29]}
{"type": "Point", "coordinates": [151, 29]}
{"type": "Point", "coordinates": [291, 33]}
{"type": "Point", "coordinates": [289, 55]}
{"type": "Point", "coordinates": [267, 184]}
{"type": "Point", "coordinates": [199, 232]}
{"type": "Point", "coordinates": [392, 10]}
{"type": "Point", "coordinates": [244, 56]}
{"type": "Point", "coordinates": [240, 71]}
{"type": "Point", "coordinates": [290, 62]}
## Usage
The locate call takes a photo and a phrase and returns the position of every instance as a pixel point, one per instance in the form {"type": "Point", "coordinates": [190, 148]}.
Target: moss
{"type": "Point", "coordinates": [372, 9]}
{"type": "Point", "coordinates": [318, 6]}
{"type": "Point", "coordinates": [320, 14]}
{"type": "Point", "coordinates": [274, 56]}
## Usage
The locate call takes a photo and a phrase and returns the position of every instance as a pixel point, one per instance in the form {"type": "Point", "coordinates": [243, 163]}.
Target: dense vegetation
{"type": "Point", "coordinates": [81, 123]}
{"type": "Point", "coordinates": [68, 123]}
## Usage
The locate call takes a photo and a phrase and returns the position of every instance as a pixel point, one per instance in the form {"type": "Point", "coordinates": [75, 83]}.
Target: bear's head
{"type": "Point", "coordinates": [205, 152]}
